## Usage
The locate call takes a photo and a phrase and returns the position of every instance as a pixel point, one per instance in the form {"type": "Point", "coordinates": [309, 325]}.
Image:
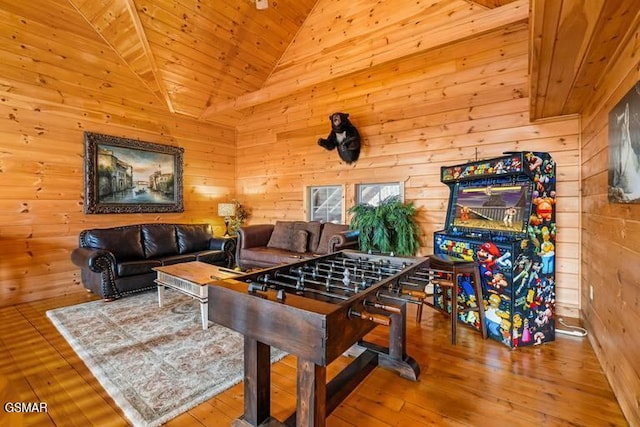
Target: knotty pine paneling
{"type": "Point", "coordinates": [610, 241]}
{"type": "Point", "coordinates": [41, 194]}
{"type": "Point", "coordinates": [58, 80]}
{"type": "Point", "coordinates": [455, 104]}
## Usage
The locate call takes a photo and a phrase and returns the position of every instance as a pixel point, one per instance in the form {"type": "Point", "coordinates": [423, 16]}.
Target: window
{"type": "Point", "coordinates": [325, 203]}
{"type": "Point", "coordinates": [373, 194]}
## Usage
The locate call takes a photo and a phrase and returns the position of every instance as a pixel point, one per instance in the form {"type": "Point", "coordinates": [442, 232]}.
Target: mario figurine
{"type": "Point", "coordinates": [487, 255]}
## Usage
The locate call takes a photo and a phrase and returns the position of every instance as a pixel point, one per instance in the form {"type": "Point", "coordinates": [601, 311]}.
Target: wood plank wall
{"type": "Point", "coordinates": [465, 101]}
{"type": "Point", "coordinates": [611, 241]}
{"type": "Point", "coordinates": [57, 81]}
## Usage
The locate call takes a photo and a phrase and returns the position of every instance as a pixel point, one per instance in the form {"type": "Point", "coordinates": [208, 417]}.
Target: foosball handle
{"type": "Point", "coordinates": [412, 293]}
{"type": "Point", "coordinates": [372, 317]}
{"type": "Point", "coordinates": [253, 287]}
{"type": "Point", "coordinates": [385, 307]}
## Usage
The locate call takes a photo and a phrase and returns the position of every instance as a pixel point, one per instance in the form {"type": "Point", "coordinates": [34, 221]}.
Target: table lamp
{"type": "Point", "coordinates": [226, 210]}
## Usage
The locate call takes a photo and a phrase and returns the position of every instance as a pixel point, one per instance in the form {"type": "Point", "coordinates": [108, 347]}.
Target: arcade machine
{"type": "Point", "coordinates": [501, 214]}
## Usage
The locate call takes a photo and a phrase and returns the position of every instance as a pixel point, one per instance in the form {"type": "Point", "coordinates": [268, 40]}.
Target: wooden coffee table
{"type": "Point", "coordinates": [191, 278]}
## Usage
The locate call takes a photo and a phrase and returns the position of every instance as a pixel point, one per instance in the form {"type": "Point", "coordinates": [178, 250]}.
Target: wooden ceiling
{"type": "Point", "coordinates": [211, 59]}
{"type": "Point", "coordinates": [574, 43]}
{"type": "Point", "coordinates": [214, 59]}
{"type": "Point", "coordinates": [195, 54]}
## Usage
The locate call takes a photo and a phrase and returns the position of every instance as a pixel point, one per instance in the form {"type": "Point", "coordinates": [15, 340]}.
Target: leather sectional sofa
{"type": "Point", "coordinates": [120, 260]}
{"type": "Point", "coordinates": [266, 245]}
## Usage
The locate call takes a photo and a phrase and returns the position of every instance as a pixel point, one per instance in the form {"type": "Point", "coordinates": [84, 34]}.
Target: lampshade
{"type": "Point", "coordinates": [226, 209]}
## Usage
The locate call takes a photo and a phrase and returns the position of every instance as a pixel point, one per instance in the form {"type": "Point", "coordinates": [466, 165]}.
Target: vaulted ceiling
{"type": "Point", "coordinates": [215, 59]}
{"type": "Point", "coordinates": [197, 54]}
{"type": "Point", "coordinates": [211, 59]}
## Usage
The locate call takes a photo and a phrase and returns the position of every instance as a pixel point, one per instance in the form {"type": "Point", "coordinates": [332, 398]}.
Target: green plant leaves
{"type": "Point", "coordinates": [388, 227]}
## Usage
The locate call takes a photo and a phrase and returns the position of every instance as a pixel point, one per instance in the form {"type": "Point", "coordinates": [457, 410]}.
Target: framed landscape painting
{"type": "Point", "coordinates": [624, 149]}
{"type": "Point", "coordinates": [129, 176]}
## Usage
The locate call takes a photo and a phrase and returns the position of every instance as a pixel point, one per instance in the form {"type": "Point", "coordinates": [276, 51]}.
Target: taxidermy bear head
{"type": "Point", "coordinates": [344, 136]}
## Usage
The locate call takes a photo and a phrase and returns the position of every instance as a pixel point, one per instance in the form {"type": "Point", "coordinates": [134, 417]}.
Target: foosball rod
{"type": "Point", "coordinates": [338, 278]}
{"type": "Point", "coordinates": [367, 267]}
{"type": "Point", "coordinates": [268, 281]}
{"type": "Point", "coordinates": [386, 266]}
{"type": "Point", "coordinates": [360, 259]}
{"type": "Point", "coordinates": [362, 264]}
{"type": "Point", "coordinates": [315, 282]}
{"type": "Point", "coordinates": [380, 275]}
{"type": "Point", "coordinates": [379, 295]}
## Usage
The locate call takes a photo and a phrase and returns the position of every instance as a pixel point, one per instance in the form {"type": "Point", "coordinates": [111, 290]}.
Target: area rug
{"type": "Point", "coordinates": [155, 363]}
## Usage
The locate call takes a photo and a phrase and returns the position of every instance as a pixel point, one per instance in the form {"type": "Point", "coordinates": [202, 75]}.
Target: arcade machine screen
{"type": "Point", "coordinates": [500, 205]}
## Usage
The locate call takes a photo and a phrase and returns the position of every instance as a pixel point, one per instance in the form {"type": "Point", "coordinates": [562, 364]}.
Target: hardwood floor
{"type": "Point", "coordinates": [474, 383]}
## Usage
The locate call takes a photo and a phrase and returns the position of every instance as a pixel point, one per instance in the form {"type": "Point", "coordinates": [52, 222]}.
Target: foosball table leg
{"type": "Point", "coordinates": [395, 357]}
{"type": "Point", "coordinates": [311, 407]}
{"type": "Point", "coordinates": [257, 385]}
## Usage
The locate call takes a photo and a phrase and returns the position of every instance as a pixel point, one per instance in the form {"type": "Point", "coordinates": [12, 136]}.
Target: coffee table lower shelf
{"type": "Point", "coordinates": [191, 278]}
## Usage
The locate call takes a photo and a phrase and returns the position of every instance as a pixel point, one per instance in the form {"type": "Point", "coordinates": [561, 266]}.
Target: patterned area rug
{"type": "Point", "coordinates": [155, 363]}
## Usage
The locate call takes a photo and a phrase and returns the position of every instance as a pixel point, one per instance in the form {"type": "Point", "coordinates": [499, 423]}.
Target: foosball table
{"type": "Point", "coordinates": [317, 310]}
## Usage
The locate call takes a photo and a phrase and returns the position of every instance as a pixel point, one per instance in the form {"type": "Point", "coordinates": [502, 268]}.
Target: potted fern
{"type": "Point", "coordinates": [389, 227]}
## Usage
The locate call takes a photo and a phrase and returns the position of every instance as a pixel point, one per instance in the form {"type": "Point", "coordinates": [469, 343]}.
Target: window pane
{"type": "Point", "coordinates": [373, 194]}
{"type": "Point", "coordinates": [325, 204]}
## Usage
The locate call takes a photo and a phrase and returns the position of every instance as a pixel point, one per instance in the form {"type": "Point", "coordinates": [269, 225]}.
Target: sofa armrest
{"type": "Point", "coordinates": [227, 245]}
{"type": "Point", "coordinates": [220, 243]}
{"type": "Point", "coordinates": [102, 262]}
{"type": "Point", "coordinates": [96, 260]}
{"type": "Point", "coordinates": [344, 240]}
{"type": "Point", "coordinates": [254, 235]}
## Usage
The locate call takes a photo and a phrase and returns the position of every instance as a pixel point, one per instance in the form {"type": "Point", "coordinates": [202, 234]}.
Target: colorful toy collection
{"type": "Point", "coordinates": [501, 214]}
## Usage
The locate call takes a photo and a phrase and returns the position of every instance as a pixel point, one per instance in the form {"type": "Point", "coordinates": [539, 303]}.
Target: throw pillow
{"type": "Point", "coordinates": [299, 243]}
{"type": "Point", "coordinates": [328, 230]}
{"type": "Point", "coordinates": [313, 228]}
{"type": "Point", "coordinates": [282, 235]}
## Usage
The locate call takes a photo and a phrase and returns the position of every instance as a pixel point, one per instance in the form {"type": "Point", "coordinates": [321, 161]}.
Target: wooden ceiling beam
{"type": "Point", "coordinates": [420, 40]}
{"type": "Point", "coordinates": [543, 25]}
{"type": "Point", "coordinates": [110, 19]}
{"type": "Point", "coordinates": [574, 44]}
{"type": "Point", "coordinates": [609, 38]}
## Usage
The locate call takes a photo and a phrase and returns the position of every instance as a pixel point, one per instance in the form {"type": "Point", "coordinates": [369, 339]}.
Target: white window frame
{"type": "Point", "coordinates": [334, 213]}
{"type": "Point", "coordinates": [360, 188]}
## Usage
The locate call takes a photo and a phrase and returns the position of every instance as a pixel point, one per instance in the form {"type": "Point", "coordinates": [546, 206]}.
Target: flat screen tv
{"type": "Point", "coordinates": [491, 204]}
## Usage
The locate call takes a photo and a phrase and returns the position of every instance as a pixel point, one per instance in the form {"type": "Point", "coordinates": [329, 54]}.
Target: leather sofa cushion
{"type": "Point", "coordinates": [193, 238]}
{"type": "Point", "coordinates": [313, 228]}
{"type": "Point", "coordinates": [177, 259]}
{"type": "Point", "coordinates": [328, 230]}
{"type": "Point", "coordinates": [123, 242]}
{"type": "Point", "coordinates": [159, 240]}
{"type": "Point", "coordinates": [132, 268]}
{"type": "Point", "coordinates": [282, 235]}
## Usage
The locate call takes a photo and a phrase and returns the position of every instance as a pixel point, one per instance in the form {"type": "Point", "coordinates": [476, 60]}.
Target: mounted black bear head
{"type": "Point", "coordinates": [344, 136]}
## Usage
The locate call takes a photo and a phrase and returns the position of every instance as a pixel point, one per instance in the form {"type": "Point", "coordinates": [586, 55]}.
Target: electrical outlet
{"type": "Point", "coordinates": [590, 292]}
